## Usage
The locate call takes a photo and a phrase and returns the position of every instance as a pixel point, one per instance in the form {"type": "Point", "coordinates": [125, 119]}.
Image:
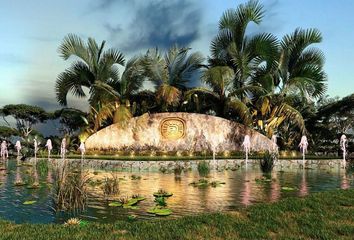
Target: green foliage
{"type": "Point", "coordinates": [25, 115]}
{"type": "Point", "coordinates": [203, 168]}
{"type": "Point", "coordinates": [7, 132]}
{"type": "Point", "coordinates": [267, 162]}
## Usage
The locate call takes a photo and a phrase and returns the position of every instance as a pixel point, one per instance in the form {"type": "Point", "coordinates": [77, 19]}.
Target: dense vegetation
{"type": "Point", "coordinates": [327, 215]}
{"type": "Point", "coordinates": [275, 86]}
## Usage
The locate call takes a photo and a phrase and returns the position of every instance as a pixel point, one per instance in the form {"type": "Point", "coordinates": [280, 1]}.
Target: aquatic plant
{"type": "Point", "coordinates": [70, 189]}
{"type": "Point", "coordinates": [267, 162]}
{"type": "Point", "coordinates": [30, 202]}
{"type": "Point", "coordinates": [72, 222]}
{"type": "Point", "coordinates": [160, 211]}
{"type": "Point", "coordinates": [203, 168]}
{"type": "Point", "coordinates": [111, 185]}
{"type": "Point", "coordinates": [162, 193]}
{"type": "Point", "coordinates": [178, 169]}
{"type": "Point", "coordinates": [160, 201]}
{"type": "Point", "coordinates": [135, 177]}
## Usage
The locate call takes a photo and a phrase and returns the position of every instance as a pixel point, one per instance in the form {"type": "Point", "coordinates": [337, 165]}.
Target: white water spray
{"type": "Point", "coordinates": [246, 146]}
{"type": "Point", "coordinates": [343, 145]}
{"type": "Point", "coordinates": [303, 148]}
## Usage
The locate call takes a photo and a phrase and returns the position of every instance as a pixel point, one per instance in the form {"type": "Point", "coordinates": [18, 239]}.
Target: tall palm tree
{"type": "Point", "coordinates": [300, 69]}
{"type": "Point", "coordinates": [92, 68]}
{"type": "Point", "coordinates": [171, 73]}
{"type": "Point", "coordinates": [299, 77]}
{"type": "Point", "coordinates": [246, 55]}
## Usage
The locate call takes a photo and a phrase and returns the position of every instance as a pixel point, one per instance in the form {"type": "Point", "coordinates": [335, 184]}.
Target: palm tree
{"type": "Point", "coordinates": [219, 95]}
{"type": "Point", "coordinates": [171, 73]}
{"type": "Point", "coordinates": [93, 68]}
{"type": "Point", "coordinates": [97, 70]}
{"type": "Point", "coordinates": [300, 69]}
{"type": "Point", "coordinates": [246, 55]}
{"type": "Point", "coordinates": [299, 77]}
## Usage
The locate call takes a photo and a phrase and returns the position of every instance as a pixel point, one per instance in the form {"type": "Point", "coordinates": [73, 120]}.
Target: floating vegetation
{"type": "Point", "coordinates": [115, 204]}
{"type": "Point", "coordinates": [135, 177]}
{"type": "Point", "coordinates": [29, 202]}
{"type": "Point", "coordinates": [200, 183]}
{"type": "Point", "coordinates": [20, 184]}
{"type": "Point", "coordinates": [289, 189]}
{"type": "Point", "coordinates": [205, 183]}
{"type": "Point", "coordinates": [162, 193]}
{"type": "Point", "coordinates": [35, 185]}
{"type": "Point", "coordinates": [160, 211]}
{"type": "Point", "coordinates": [263, 180]}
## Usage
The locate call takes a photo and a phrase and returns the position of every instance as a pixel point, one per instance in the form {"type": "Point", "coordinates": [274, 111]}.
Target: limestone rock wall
{"type": "Point", "coordinates": [177, 132]}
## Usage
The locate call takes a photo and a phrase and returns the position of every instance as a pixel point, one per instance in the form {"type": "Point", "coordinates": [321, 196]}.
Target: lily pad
{"type": "Point", "coordinates": [288, 188]}
{"type": "Point", "coordinates": [29, 202]}
{"type": "Point", "coordinates": [159, 211]}
{"type": "Point", "coordinates": [19, 184]}
{"type": "Point", "coordinates": [130, 207]}
{"type": "Point", "coordinates": [83, 223]}
{"type": "Point", "coordinates": [139, 199]}
{"type": "Point", "coordinates": [115, 204]}
{"type": "Point", "coordinates": [163, 194]}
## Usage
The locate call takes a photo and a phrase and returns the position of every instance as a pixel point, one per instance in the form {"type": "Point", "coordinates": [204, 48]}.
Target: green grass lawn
{"type": "Point", "coordinates": [327, 215]}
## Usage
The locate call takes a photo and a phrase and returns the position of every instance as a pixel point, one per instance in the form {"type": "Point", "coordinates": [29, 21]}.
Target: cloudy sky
{"type": "Point", "coordinates": [31, 31]}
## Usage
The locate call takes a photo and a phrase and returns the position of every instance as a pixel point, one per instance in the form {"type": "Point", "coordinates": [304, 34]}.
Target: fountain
{"type": "Point", "coordinates": [3, 150]}
{"type": "Point", "coordinates": [303, 148]}
{"type": "Point", "coordinates": [246, 147]}
{"type": "Point", "coordinates": [274, 144]}
{"type": "Point", "coordinates": [343, 145]}
{"type": "Point", "coordinates": [82, 150]}
{"type": "Point", "coordinates": [49, 147]}
{"type": "Point", "coordinates": [63, 148]}
{"type": "Point", "coordinates": [18, 147]}
{"type": "Point", "coordinates": [36, 144]}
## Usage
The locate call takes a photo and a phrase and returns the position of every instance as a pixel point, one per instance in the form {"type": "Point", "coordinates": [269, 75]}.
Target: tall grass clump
{"type": "Point", "coordinates": [70, 189]}
{"type": "Point", "coordinates": [267, 161]}
{"type": "Point", "coordinates": [203, 168]}
{"type": "Point", "coordinates": [111, 185]}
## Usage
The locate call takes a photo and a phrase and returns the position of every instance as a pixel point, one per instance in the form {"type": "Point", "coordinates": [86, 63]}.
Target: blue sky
{"type": "Point", "coordinates": [31, 31]}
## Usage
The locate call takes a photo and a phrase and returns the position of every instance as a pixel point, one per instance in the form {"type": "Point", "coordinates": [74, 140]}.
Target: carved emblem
{"type": "Point", "coordinates": [172, 128]}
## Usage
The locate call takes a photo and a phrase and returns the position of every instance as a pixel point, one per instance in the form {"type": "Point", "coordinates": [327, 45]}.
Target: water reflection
{"type": "Point", "coordinates": [241, 188]}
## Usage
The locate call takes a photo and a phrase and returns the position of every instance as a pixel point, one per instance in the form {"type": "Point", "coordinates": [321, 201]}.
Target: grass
{"type": "Point", "coordinates": [327, 215]}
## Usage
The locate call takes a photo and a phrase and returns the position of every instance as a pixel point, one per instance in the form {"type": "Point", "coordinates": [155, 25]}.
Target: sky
{"type": "Point", "coordinates": [31, 31]}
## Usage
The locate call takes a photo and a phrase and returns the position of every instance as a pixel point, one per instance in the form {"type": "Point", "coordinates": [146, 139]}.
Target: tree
{"type": "Point", "coordinates": [7, 132]}
{"type": "Point", "coordinates": [248, 56]}
{"type": "Point", "coordinates": [70, 119]}
{"type": "Point", "coordinates": [171, 73]}
{"type": "Point", "coordinates": [94, 69]}
{"type": "Point", "coordinates": [220, 96]}
{"type": "Point", "coordinates": [25, 115]}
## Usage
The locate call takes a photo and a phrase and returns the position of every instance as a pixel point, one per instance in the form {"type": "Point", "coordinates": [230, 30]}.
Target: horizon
{"type": "Point", "coordinates": [30, 62]}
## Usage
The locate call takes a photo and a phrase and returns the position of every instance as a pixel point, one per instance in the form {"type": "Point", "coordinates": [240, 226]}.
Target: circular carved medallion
{"type": "Point", "coordinates": [172, 128]}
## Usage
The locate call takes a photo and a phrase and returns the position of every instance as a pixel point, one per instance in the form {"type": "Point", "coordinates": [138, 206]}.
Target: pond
{"type": "Point", "coordinates": [242, 187]}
